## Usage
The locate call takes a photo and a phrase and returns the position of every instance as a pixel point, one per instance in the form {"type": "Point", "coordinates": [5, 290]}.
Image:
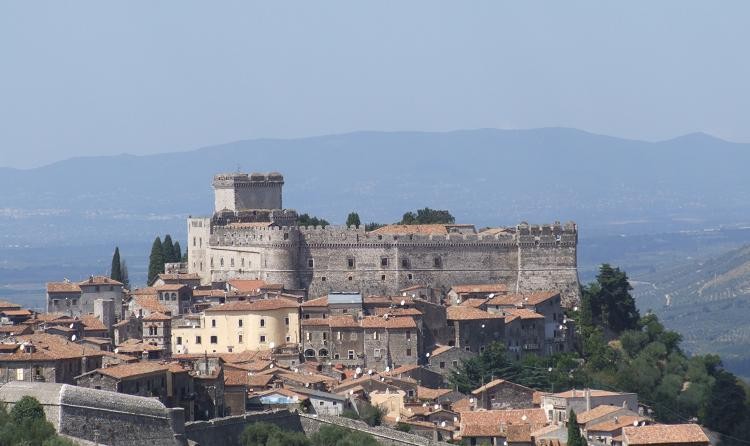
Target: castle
{"type": "Point", "coordinates": [251, 236]}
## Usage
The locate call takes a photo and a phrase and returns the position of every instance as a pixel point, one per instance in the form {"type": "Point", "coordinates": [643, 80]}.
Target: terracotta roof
{"type": "Point", "coordinates": [473, 302]}
{"type": "Point", "coordinates": [150, 291]}
{"type": "Point", "coordinates": [522, 299]}
{"type": "Point", "coordinates": [259, 380]}
{"type": "Point", "coordinates": [91, 322]}
{"type": "Point", "coordinates": [99, 280]}
{"type": "Point", "coordinates": [63, 287]}
{"type": "Point", "coordinates": [157, 316]}
{"type": "Point", "coordinates": [497, 382]}
{"type": "Point", "coordinates": [247, 286]}
{"type": "Point", "coordinates": [614, 424]}
{"type": "Point", "coordinates": [597, 412]}
{"type": "Point", "coordinates": [49, 347]}
{"type": "Point", "coordinates": [179, 276]}
{"type": "Point", "coordinates": [493, 423]}
{"type": "Point", "coordinates": [315, 322]}
{"type": "Point", "coordinates": [480, 288]}
{"type": "Point", "coordinates": [389, 323]}
{"type": "Point", "coordinates": [22, 312]}
{"type": "Point", "coordinates": [170, 287]}
{"type": "Point", "coordinates": [440, 349]}
{"type": "Point", "coordinates": [402, 369]}
{"type": "Point", "coordinates": [97, 341]}
{"type": "Point", "coordinates": [461, 313]}
{"type": "Point", "coordinates": [582, 393]}
{"type": "Point", "coordinates": [135, 346]}
{"type": "Point", "coordinates": [524, 313]}
{"type": "Point", "coordinates": [235, 377]}
{"type": "Point", "coordinates": [16, 329]}
{"type": "Point", "coordinates": [319, 302]}
{"type": "Point", "coordinates": [425, 393]}
{"type": "Point", "coordinates": [8, 305]}
{"type": "Point", "coordinates": [462, 405]}
{"type": "Point", "coordinates": [150, 303]}
{"type": "Point", "coordinates": [397, 312]}
{"type": "Point", "coordinates": [251, 224]}
{"type": "Point", "coordinates": [133, 370]}
{"type": "Point", "coordinates": [50, 317]}
{"type": "Point", "coordinates": [342, 322]}
{"type": "Point", "coordinates": [664, 434]}
{"type": "Point", "coordinates": [282, 391]}
{"type": "Point", "coordinates": [257, 305]}
{"type": "Point", "coordinates": [431, 229]}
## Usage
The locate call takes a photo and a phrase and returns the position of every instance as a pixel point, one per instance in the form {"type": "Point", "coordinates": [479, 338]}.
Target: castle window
{"type": "Point", "coordinates": [310, 263]}
{"type": "Point", "coordinates": [262, 322]}
{"type": "Point", "coordinates": [286, 321]}
{"type": "Point", "coordinates": [384, 262]}
{"type": "Point", "coordinates": [350, 354]}
{"type": "Point", "coordinates": [201, 266]}
{"type": "Point", "coordinates": [382, 277]}
{"type": "Point", "coordinates": [286, 236]}
{"type": "Point", "coordinates": [375, 335]}
{"type": "Point", "coordinates": [351, 278]}
{"type": "Point", "coordinates": [289, 339]}
{"type": "Point", "coordinates": [404, 263]}
{"type": "Point", "coordinates": [231, 262]}
{"type": "Point", "coordinates": [437, 262]}
{"type": "Point", "coordinates": [200, 242]}
{"type": "Point", "coordinates": [239, 339]}
{"type": "Point", "coordinates": [243, 262]}
{"type": "Point", "coordinates": [179, 340]}
{"type": "Point", "coordinates": [197, 339]}
{"type": "Point", "coordinates": [75, 301]}
{"type": "Point", "coordinates": [239, 322]}
{"type": "Point", "coordinates": [262, 339]}
{"type": "Point", "coordinates": [221, 262]}
{"type": "Point", "coordinates": [194, 241]}
{"type": "Point", "coordinates": [212, 262]}
{"type": "Point", "coordinates": [408, 335]}
{"type": "Point", "coordinates": [339, 336]}
{"type": "Point", "coordinates": [307, 336]}
{"type": "Point", "coordinates": [174, 296]}
{"type": "Point", "coordinates": [442, 364]}
{"type": "Point", "coordinates": [351, 263]}
{"type": "Point", "coordinates": [408, 352]}
{"type": "Point", "coordinates": [323, 279]}
{"type": "Point", "coordinates": [325, 336]}
{"type": "Point", "coordinates": [213, 323]}
{"type": "Point", "coordinates": [409, 276]}
{"type": "Point", "coordinates": [214, 340]}
{"type": "Point", "coordinates": [376, 353]}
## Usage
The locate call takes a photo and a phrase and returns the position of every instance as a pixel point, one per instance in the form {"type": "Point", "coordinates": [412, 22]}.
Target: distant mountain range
{"type": "Point", "coordinates": [488, 177]}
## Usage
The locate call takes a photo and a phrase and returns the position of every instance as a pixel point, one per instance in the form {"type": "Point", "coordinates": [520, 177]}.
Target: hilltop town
{"type": "Point", "coordinates": [268, 320]}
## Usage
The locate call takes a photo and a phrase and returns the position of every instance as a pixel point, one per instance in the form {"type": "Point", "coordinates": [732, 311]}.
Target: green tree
{"type": "Point", "coordinates": [608, 302]}
{"type": "Point", "coordinates": [574, 433]}
{"type": "Point", "coordinates": [307, 220]}
{"type": "Point", "coordinates": [167, 249]}
{"type": "Point", "coordinates": [155, 261]}
{"type": "Point", "coordinates": [124, 272]}
{"type": "Point", "coordinates": [27, 408]}
{"type": "Point", "coordinates": [116, 268]}
{"type": "Point", "coordinates": [373, 226]}
{"type": "Point", "coordinates": [353, 219]}
{"type": "Point", "coordinates": [726, 407]}
{"type": "Point", "coordinates": [26, 425]}
{"type": "Point", "coordinates": [427, 216]}
{"type": "Point", "coordinates": [177, 252]}
{"type": "Point", "coordinates": [340, 436]}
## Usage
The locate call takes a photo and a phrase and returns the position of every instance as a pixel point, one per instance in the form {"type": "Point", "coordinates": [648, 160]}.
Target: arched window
{"type": "Point", "coordinates": [309, 353]}
{"type": "Point", "coordinates": [323, 353]}
{"type": "Point", "coordinates": [231, 262]}
{"type": "Point", "coordinates": [221, 262]}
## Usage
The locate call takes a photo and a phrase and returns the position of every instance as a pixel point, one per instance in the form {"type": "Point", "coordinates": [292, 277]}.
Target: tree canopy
{"type": "Point", "coordinates": [27, 425]}
{"type": "Point", "coordinates": [307, 220]}
{"type": "Point", "coordinates": [353, 219]}
{"type": "Point", "coordinates": [427, 216]}
{"type": "Point", "coordinates": [155, 261]}
{"type": "Point", "coordinates": [267, 434]}
{"type": "Point", "coordinates": [116, 268]}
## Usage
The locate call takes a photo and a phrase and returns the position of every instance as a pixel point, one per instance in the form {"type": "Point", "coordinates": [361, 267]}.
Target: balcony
{"type": "Point", "coordinates": [531, 346]}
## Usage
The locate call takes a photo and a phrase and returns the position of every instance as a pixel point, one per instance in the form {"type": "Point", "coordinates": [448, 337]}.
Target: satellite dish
{"type": "Point", "coordinates": [424, 405]}
{"type": "Point", "coordinates": [351, 391]}
{"type": "Point", "coordinates": [272, 345]}
{"type": "Point", "coordinates": [369, 372]}
{"type": "Point", "coordinates": [358, 370]}
{"type": "Point", "coordinates": [270, 366]}
{"type": "Point", "coordinates": [471, 400]}
{"type": "Point", "coordinates": [72, 325]}
{"type": "Point", "coordinates": [455, 419]}
{"type": "Point", "coordinates": [442, 424]}
{"type": "Point", "coordinates": [403, 294]}
{"type": "Point", "coordinates": [575, 308]}
{"type": "Point", "coordinates": [296, 370]}
{"type": "Point", "coordinates": [73, 338]}
{"type": "Point", "coordinates": [427, 355]}
{"type": "Point", "coordinates": [436, 406]}
{"type": "Point", "coordinates": [635, 423]}
{"type": "Point", "coordinates": [482, 325]}
{"type": "Point", "coordinates": [491, 295]}
{"type": "Point", "coordinates": [549, 369]}
{"type": "Point", "coordinates": [398, 418]}
{"type": "Point", "coordinates": [387, 368]}
{"type": "Point", "coordinates": [117, 350]}
{"type": "Point", "coordinates": [524, 418]}
{"type": "Point", "coordinates": [403, 302]}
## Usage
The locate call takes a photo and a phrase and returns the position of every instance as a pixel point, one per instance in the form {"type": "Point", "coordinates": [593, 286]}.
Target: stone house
{"type": "Point", "coordinates": [390, 342]}
{"type": "Point", "coordinates": [445, 358]}
{"type": "Point", "coordinates": [157, 331]}
{"type": "Point", "coordinates": [524, 332]}
{"type": "Point", "coordinates": [473, 329]}
{"type": "Point", "coordinates": [495, 427]}
{"type": "Point", "coordinates": [100, 288]}
{"type": "Point", "coordinates": [144, 301]}
{"type": "Point", "coordinates": [665, 435]}
{"type": "Point", "coordinates": [557, 405]}
{"type": "Point", "coordinates": [44, 357]}
{"type": "Point", "coordinates": [138, 378]}
{"type": "Point", "coordinates": [235, 390]}
{"type": "Point", "coordinates": [239, 326]}
{"type": "Point", "coordinates": [175, 297]}
{"type": "Point", "coordinates": [502, 394]}
{"type": "Point", "coordinates": [460, 293]}
{"type": "Point", "coordinates": [129, 328]}
{"type": "Point", "coordinates": [15, 315]}
{"type": "Point", "coordinates": [423, 375]}
{"type": "Point", "coordinates": [601, 414]}
{"type": "Point", "coordinates": [557, 332]}
{"type": "Point", "coordinates": [323, 403]}
{"type": "Point", "coordinates": [189, 279]}
{"type": "Point", "coordinates": [63, 297]}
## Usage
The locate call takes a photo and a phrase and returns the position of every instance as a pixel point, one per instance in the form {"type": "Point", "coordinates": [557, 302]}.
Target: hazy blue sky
{"type": "Point", "coordinates": [83, 78]}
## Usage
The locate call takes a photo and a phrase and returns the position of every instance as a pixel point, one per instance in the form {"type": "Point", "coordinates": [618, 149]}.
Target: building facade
{"type": "Point", "coordinates": [244, 241]}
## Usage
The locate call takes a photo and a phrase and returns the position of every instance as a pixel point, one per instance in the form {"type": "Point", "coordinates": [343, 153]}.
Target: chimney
{"type": "Point", "coordinates": [588, 399]}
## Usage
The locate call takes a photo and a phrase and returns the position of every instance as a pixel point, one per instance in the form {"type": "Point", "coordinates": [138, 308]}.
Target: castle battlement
{"type": "Point", "coordinates": [251, 236]}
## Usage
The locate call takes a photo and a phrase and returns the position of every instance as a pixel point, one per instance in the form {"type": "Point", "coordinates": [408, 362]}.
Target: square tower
{"type": "Point", "coordinates": [240, 192]}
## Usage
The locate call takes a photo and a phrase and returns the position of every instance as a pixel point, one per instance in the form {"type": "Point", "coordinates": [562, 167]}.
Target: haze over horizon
{"type": "Point", "coordinates": [102, 79]}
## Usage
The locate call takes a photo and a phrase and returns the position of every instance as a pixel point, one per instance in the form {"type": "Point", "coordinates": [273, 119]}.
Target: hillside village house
{"type": "Point", "coordinates": [557, 406]}
{"type": "Point", "coordinates": [75, 299]}
{"type": "Point", "coordinates": [239, 326]}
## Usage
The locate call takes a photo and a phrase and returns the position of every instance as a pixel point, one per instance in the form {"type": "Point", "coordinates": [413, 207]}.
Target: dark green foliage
{"type": "Point", "coordinates": [373, 226]}
{"type": "Point", "coordinates": [185, 256]}
{"type": "Point", "coordinates": [124, 273]}
{"type": "Point", "coordinates": [403, 427]}
{"type": "Point", "coordinates": [726, 408]}
{"type": "Point", "coordinates": [267, 434]}
{"type": "Point", "coordinates": [575, 438]}
{"type": "Point", "coordinates": [27, 425]}
{"type": "Point", "coordinates": [608, 303]}
{"type": "Point", "coordinates": [116, 268]}
{"type": "Point", "coordinates": [177, 252]}
{"type": "Point", "coordinates": [155, 261]}
{"type": "Point", "coordinates": [353, 219]}
{"type": "Point", "coordinates": [167, 249]}
{"type": "Point", "coordinates": [368, 413]}
{"type": "Point", "coordinates": [307, 220]}
{"type": "Point", "coordinates": [427, 216]}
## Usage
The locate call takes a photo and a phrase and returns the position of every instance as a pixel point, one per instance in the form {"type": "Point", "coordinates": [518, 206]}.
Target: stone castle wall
{"type": "Point", "coordinates": [530, 259]}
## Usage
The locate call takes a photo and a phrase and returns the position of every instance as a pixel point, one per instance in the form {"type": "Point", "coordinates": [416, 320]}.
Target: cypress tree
{"type": "Point", "coordinates": [115, 269]}
{"type": "Point", "coordinates": [124, 271]}
{"type": "Point", "coordinates": [155, 261]}
{"type": "Point", "coordinates": [167, 249]}
{"type": "Point", "coordinates": [177, 252]}
{"type": "Point", "coordinates": [353, 219]}
{"type": "Point", "coordinates": [574, 434]}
